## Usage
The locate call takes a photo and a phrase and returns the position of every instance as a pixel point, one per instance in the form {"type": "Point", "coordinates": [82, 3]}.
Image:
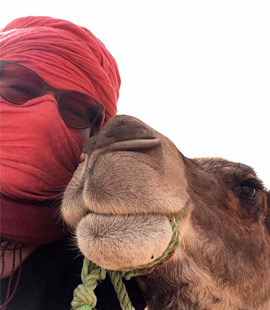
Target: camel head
{"type": "Point", "coordinates": [130, 182]}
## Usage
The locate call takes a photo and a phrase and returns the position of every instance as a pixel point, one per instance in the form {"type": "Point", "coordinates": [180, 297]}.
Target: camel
{"type": "Point", "coordinates": [119, 201]}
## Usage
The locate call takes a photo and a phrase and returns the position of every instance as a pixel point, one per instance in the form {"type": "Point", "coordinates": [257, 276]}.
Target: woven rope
{"type": "Point", "coordinates": [84, 296]}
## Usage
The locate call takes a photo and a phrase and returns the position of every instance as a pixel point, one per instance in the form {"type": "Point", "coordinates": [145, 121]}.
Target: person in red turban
{"type": "Point", "coordinates": [58, 85]}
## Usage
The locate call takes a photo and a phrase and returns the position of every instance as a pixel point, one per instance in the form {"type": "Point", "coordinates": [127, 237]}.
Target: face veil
{"type": "Point", "coordinates": [39, 152]}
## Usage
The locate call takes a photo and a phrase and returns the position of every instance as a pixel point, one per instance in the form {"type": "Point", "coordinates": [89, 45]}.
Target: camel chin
{"type": "Point", "coordinates": [114, 242]}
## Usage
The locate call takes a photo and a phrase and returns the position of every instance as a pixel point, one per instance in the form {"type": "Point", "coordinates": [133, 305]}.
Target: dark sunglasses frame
{"type": "Point", "coordinates": [58, 92]}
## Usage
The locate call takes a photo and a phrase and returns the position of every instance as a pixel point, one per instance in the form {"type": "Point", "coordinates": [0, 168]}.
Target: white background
{"type": "Point", "coordinates": [197, 71]}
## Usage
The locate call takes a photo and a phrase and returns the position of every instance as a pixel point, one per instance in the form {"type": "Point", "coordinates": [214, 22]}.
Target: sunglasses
{"type": "Point", "coordinates": [18, 84]}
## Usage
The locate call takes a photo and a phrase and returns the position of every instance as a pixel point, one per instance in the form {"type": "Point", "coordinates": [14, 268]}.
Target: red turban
{"type": "Point", "coordinates": [39, 153]}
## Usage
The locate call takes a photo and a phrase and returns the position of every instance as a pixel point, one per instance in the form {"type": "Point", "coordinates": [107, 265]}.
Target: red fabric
{"type": "Point", "coordinates": [39, 153]}
{"type": "Point", "coordinates": [65, 55]}
{"type": "Point", "coordinates": [29, 229]}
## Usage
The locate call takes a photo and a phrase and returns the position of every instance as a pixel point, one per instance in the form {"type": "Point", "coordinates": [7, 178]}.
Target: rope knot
{"type": "Point", "coordinates": [84, 297]}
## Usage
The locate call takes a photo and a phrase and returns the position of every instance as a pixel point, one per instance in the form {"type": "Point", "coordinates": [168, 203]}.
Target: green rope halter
{"type": "Point", "coordinates": [84, 297]}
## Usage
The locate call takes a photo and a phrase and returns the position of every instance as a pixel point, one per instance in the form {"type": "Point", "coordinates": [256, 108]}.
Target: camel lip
{"type": "Point", "coordinates": [115, 242]}
{"type": "Point", "coordinates": [120, 215]}
{"type": "Point", "coordinates": [90, 212]}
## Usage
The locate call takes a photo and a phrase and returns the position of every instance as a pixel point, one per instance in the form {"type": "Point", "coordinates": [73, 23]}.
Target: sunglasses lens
{"type": "Point", "coordinates": [78, 110]}
{"type": "Point", "coordinates": [19, 84]}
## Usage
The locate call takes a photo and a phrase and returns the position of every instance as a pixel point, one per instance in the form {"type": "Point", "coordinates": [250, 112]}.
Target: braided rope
{"type": "Point", "coordinates": [120, 290]}
{"type": "Point", "coordinates": [84, 297]}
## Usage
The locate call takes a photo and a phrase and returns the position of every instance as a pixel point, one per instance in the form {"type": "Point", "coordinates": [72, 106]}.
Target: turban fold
{"type": "Point", "coordinates": [39, 153]}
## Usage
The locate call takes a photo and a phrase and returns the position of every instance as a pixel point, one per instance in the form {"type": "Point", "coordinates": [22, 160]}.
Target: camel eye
{"type": "Point", "coordinates": [249, 190]}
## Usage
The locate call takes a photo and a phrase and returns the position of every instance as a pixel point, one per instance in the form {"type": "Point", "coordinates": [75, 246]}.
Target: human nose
{"type": "Point", "coordinates": [51, 92]}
